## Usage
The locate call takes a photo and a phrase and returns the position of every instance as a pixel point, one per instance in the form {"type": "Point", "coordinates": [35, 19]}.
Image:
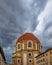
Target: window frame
{"type": "Point", "coordinates": [18, 49]}
{"type": "Point", "coordinates": [29, 52]}
{"type": "Point", "coordinates": [17, 61]}
{"type": "Point", "coordinates": [29, 60]}
{"type": "Point", "coordinates": [31, 44]}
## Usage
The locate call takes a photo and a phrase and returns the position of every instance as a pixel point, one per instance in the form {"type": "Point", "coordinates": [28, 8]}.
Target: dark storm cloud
{"type": "Point", "coordinates": [16, 18]}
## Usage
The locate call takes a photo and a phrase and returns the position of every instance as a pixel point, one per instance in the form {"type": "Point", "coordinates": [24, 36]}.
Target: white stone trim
{"type": "Point", "coordinates": [36, 46]}
{"type": "Point", "coordinates": [35, 55]}
{"type": "Point", "coordinates": [24, 59]}
{"type": "Point", "coordinates": [23, 46]}
{"type": "Point", "coordinates": [35, 58]}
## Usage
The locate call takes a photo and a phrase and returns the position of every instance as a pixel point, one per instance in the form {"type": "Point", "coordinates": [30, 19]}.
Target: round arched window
{"type": "Point", "coordinates": [18, 46]}
{"type": "Point", "coordinates": [30, 44]}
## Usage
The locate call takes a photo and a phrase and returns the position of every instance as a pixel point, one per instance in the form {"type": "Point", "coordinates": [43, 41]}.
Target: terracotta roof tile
{"type": "Point", "coordinates": [28, 36]}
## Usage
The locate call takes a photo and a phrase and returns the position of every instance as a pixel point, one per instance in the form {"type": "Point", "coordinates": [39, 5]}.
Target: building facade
{"type": "Point", "coordinates": [28, 51]}
{"type": "Point", "coordinates": [45, 58]}
{"type": "Point", "coordinates": [27, 48]}
{"type": "Point", "coordinates": [2, 57]}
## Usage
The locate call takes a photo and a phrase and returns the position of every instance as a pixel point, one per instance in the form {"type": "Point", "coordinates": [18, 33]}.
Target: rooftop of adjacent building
{"type": "Point", "coordinates": [28, 36]}
{"type": "Point", "coordinates": [44, 52]}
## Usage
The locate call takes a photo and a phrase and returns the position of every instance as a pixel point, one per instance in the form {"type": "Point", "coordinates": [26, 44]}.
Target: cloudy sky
{"type": "Point", "coordinates": [20, 16]}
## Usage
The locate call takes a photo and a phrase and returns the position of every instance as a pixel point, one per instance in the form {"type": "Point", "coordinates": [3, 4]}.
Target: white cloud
{"type": "Point", "coordinates": [8, 50]}
{"type": "Point", "coordinates": [43, 29]}
{"type": "Point", "coordinates": [48, 31]}
{"type": "Point", "coordinates": [26, 3]}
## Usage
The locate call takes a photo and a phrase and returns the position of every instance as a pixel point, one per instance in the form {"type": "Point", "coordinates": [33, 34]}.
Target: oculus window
{"type": "Point", "coordinates": [30, 60]}
{"type": "Point", "coordinates": [30, 54]}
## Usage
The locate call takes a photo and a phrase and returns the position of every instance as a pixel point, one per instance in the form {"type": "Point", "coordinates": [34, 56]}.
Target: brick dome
{"type": "Point", "coordinates": [28, 36]}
